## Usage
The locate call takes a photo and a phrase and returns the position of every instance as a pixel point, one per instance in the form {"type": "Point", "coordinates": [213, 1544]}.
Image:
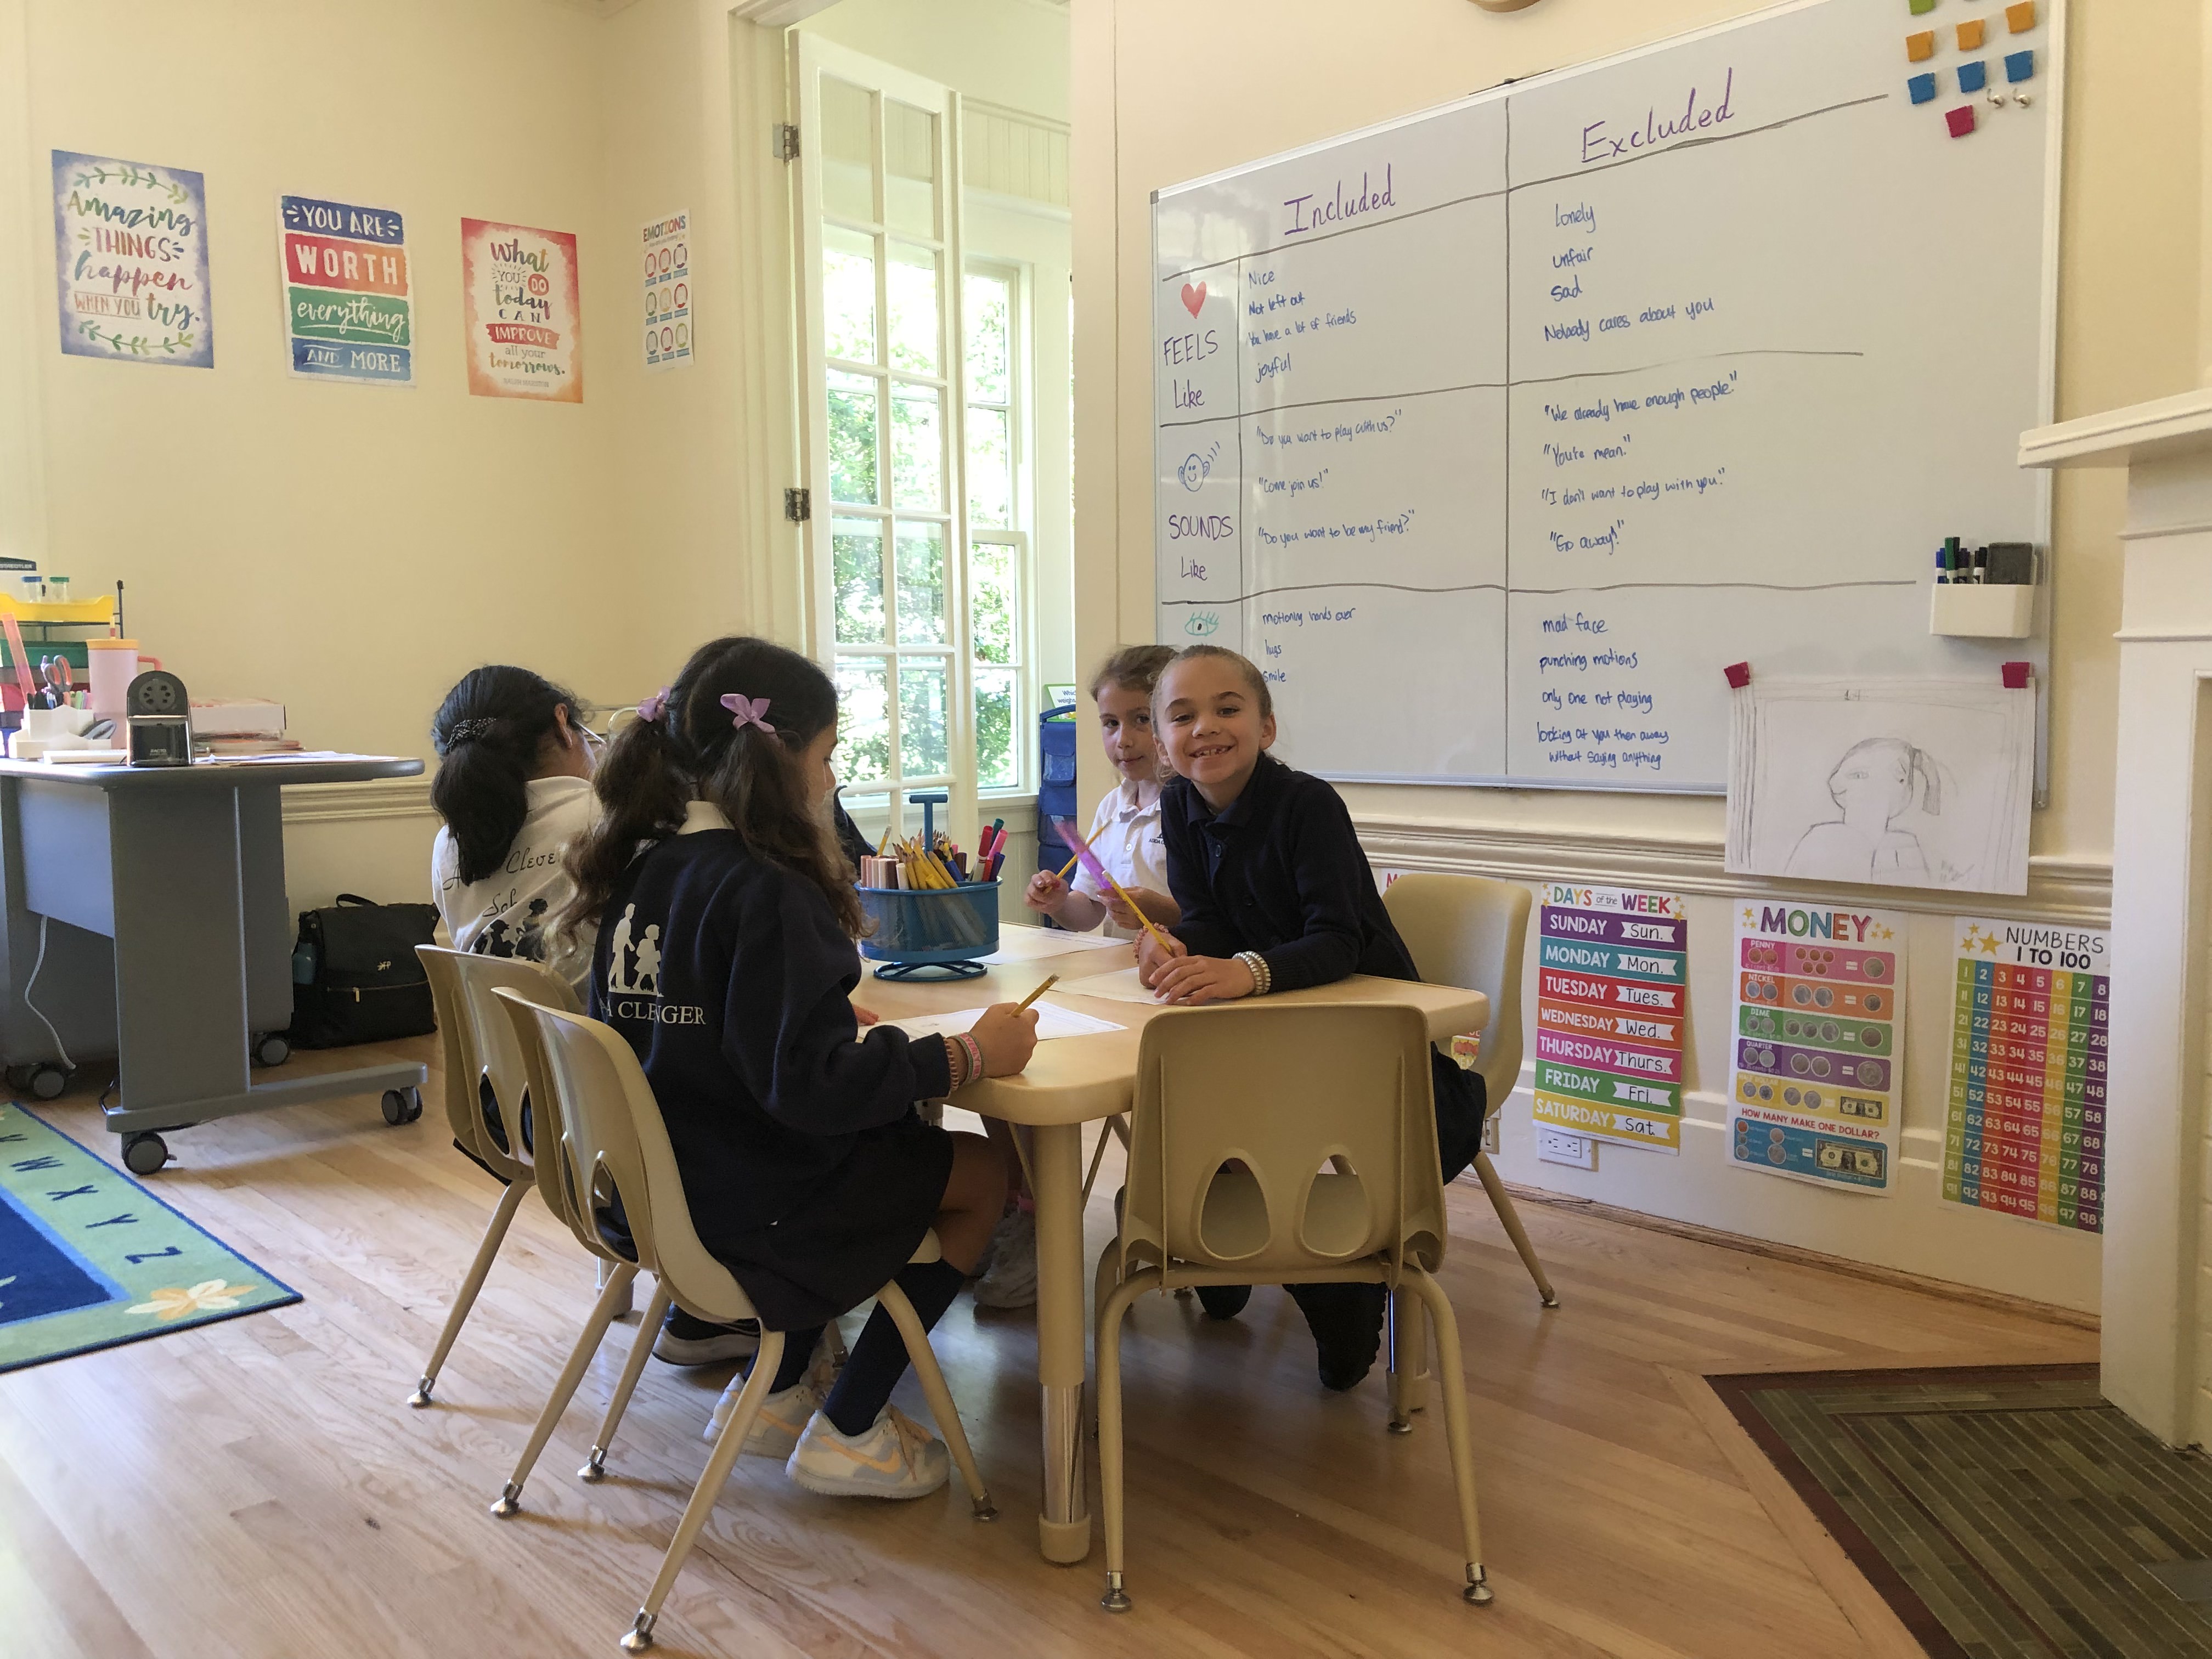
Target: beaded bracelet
{"type": "Point", "coordinates": [1256, 965]}
{"type": "Point", "coordinates": [956, 1063]}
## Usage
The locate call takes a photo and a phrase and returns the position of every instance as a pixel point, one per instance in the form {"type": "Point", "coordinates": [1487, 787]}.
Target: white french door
{"type": "Point", "coordinates": [885, 438]}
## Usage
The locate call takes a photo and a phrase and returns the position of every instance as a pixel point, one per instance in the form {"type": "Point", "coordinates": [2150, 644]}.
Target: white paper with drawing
{"type": "Point", "coordinates": [1889, 783]}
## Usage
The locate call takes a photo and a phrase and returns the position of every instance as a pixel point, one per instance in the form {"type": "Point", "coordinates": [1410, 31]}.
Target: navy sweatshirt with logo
{"type": "Point", "coordinates": [731, 979]}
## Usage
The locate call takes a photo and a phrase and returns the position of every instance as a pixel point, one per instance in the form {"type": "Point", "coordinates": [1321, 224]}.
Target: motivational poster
{"type": "Point", "coordinates": [348, 313]}
{"type": "Point", "coordinates": [132, 258]}
{"type": "Point", "coordinates": [668, 291]}
{"type": "Point", "coordinates": [1612, 1003]}
{"type": "Point", "coordinates": [523, 309]}
{"type": "Point", "coordinates": [2031, 1014]}
{"type": "Point", "coordinates": [1818, 1074]}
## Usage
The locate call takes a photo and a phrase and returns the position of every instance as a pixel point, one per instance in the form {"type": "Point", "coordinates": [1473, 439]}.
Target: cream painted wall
{"type": "Point", "coordinates": [1012, 52]}
{"type": "Point", "coordinates": [1165, 92]}
{"type": "Point", "coordinates": [348, 549]}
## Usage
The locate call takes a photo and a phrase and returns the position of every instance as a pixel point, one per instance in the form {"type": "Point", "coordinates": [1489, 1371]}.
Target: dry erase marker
{"type": "Point", "coordinates": [1943, 566]}
{"type": "Point", "coordinates": [1050, 981]}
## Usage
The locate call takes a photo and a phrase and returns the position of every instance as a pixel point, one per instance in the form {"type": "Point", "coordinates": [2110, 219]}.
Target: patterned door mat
{"type": "Point", "coordinates": [89, 1258]}
{"type": "Point", "coordinates": [2001, 1512]}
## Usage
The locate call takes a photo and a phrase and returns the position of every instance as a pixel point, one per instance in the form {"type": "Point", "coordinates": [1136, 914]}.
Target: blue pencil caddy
{"type": "Point", "coordinates": [931, 934]}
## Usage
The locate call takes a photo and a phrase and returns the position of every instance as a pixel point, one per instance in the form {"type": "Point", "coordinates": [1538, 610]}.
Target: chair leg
{"type": "Point", "coordinates": [709, 1491]}
{"type": "Point", "coordinates": [1098, 1158]}
{"type": "Point", "coordinates": [1477, 1591]}
{"type": "Point", "coordinates": [595, 1466]}
{"type": "Point", "coordinates": [893, 1301]}
{"type": "Point", "coordinates": [502, 1217]}
{"type": "Point", "coordinates": [1112, 1509]}
{"type": "Point", "coordinates": [564, 1388]}
{"type": "Point", "coordinates": [1502, 1201]}
{"type": "Point", "coordinates": [1409, 1353]}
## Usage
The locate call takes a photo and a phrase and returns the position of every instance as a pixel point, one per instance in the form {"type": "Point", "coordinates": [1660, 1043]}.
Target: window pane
{"type": "Point", "coordinates": [913, 280]}
{"type": "Point", "coordinates": [997, 766]}
{"type": "Point", "coordinates": [990, 468]}
{"type": "Point", "coordinates": [917, 448]}
{"type": "Point", "coordinates": [910, 162]}
{"type": "Point", "coordinates": [919, 549]}
{"type": "Point", "coordinates": [849, 294]}
{"type": "Point", "coordinates": [994, 601]}
{"type": "Point", "coordinates": [853, 439]}
{"type": "Point", "coordinates": [857, 553]}
{"type": "Point", "coordinates": [864, 723]}
{"type": "Point", "coordinates": [923, 746]}
{"type": "Point", "coordinates": [848, 151]}
{"type": "Point", "coordinates": [989, 323]}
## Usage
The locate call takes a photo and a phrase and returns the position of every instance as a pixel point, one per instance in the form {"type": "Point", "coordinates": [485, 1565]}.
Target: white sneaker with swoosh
{"type": "Point", "coordinates": [784, 1414]}
{"type": "Point", "coordinates": [895, 1458]}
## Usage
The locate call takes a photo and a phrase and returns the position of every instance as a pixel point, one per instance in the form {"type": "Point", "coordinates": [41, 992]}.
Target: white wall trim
{"type": "Point", "coordinates": [2077, 891]}
{"type": "Point", "coordinates": [353, 803]}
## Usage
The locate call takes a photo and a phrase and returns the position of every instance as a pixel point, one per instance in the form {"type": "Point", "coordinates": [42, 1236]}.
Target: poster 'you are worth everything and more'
{"type": "Point", "coordinates": [130, 255]}
{"type": "Point", "coordinates": [348, 312]}
{"type": "Point", "coordinates": [1612, 1001]}
{"type": "Point", "coordinates": [1818, 1077]}
{"type": "Point", "coordinates": [523, 312]}
{"type": "Point", "coordinates": [2030, 1034]}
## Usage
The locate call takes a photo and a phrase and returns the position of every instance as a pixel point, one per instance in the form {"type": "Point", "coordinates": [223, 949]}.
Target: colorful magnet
{"type": "Point", "coordinates": [1919, 7]}
{"type": "Point", "coordinates": [1922, 88]}
{"type": "Point", "coordinates": [1970, 35]}
{"type": "Point", "coordinates": [2019, 66]}
{"type": "Point", "coordinates": [1973, 76]}
{"type": "Point", "coordinates": [1960, 121]}
{"type": "Point", "coordinates": [2019, 16]}
{"type": "Point", "coordinates": [1919, 48]}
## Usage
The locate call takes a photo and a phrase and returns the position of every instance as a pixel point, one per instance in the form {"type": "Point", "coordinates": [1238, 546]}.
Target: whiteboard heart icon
{"type": "Point", "coordinates": [1193, 297]}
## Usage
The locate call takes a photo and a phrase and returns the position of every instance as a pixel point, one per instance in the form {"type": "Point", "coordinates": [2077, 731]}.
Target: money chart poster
{"type": "Point", "coordinates": [1612, 999]}
{"type": "Point", "coordinates": [348, 314]}
{"type": "Point", "coordinates": [1819, 1072]}
{"type": "Point", "coordinates": [2030, 1023]}
{"type": "Point", "coordinates": [131, 257]}
{"type": "Point", "coordinates": [523, 310]}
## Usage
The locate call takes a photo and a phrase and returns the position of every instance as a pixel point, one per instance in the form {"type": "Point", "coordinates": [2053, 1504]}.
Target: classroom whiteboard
{"type": "Point", "coordinates": [1493, 434]}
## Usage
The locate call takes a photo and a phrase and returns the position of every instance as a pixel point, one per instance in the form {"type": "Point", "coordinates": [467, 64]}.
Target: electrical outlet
{"type": "Point", "coordinates": [1489, 1133]}
{"type": "Point", "coordinates": [1558, 1146]}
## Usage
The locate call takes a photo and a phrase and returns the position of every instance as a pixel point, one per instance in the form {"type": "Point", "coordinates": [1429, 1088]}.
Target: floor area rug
{"type": "Point", "coordinates": [89, 1258]}
{"type": "Point", "coordinates": [2002, 1511]}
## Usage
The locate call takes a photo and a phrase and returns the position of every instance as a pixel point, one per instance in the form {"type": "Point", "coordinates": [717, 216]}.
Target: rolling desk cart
{"type": "Point", "coordinates": [167, 940]}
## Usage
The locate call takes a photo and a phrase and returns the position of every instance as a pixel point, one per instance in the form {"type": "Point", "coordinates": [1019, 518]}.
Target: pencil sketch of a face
{"type": "Point", "coordinates": [1877, 783]}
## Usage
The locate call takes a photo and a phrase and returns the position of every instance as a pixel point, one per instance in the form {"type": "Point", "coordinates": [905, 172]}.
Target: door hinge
{"type": "Point", "coordinates": [786, 141]}
{"type": "Point", "coordinates": [798, 505]}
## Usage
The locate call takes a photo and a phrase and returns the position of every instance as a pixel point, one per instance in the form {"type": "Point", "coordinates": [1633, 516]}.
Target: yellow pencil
{"type": "Point", "coordinates": [1141, 916]}
{"type": "Point", "coordinates": [1050, 981]}
{"type": "Point", "coordinates": [1069, 866]}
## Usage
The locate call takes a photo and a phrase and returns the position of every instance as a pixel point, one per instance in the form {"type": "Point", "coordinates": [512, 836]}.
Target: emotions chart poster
{"type": "Point", "coordinates": [2030, 1023]}
{"type": "Point", "coordinates": [668, 292]}
{"type": "Point", "coordinates": [1818, 1074]}
{"type": "Point", "coordinates": [1612, 1001]}
{"type": "Point", "coordinates": [523, 309]}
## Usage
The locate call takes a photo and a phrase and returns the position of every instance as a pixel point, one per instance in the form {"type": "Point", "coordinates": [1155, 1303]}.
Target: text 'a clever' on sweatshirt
{"type": "Point", "coordinates": [731, 978]}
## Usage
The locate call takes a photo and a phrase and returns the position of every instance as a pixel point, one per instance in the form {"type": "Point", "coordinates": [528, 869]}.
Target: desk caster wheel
{"type": "Point", "coordinates": [271, 1050]}
{"type": "Point", "coordinates": [144, 1154]}
{"type": "Point", "coordinates": [48, 1081]}
{"type": "Point", "coordinates": [402, 1106]}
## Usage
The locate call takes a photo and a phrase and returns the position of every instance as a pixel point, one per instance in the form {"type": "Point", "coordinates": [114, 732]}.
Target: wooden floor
{"type": "Point", "coordinates": [257, 1488]}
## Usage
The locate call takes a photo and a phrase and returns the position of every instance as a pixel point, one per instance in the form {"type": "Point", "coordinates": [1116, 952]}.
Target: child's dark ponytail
{"type": "Point", "coordinates": [488, 734]}
{"type": "Point", "coordinates": [733, 730]}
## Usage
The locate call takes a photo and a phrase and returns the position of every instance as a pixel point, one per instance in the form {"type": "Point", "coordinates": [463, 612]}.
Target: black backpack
{"type": "Point", "coordinates": [355, 977]}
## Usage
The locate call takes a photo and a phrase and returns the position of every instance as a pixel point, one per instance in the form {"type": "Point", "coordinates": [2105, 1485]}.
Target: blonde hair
{"type": "Point", "coordinates": [1133, 668]}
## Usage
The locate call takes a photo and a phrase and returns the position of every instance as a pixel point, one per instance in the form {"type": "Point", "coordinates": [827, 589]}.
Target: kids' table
{"type": "Point", "coordinates": [1069, 1082]}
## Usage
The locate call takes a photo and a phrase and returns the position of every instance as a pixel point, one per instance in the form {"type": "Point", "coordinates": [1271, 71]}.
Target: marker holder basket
{"type": "Point", "coordinates": [922, 932]}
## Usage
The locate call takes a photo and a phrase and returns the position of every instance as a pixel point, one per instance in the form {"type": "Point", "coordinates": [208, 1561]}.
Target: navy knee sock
{"type": "Point", "coordinates": [879, 1357]}
{"type": "Point", "coordinates": [798, 1349]}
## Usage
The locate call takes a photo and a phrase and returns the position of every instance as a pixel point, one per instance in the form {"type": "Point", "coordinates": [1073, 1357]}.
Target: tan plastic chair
{"type": "Point", "coordinates": [586, 1080]}
{"type": "Point", "coordinates": [479, 1049]}
{"type": "Point", "coordinates": [1330, 1113]}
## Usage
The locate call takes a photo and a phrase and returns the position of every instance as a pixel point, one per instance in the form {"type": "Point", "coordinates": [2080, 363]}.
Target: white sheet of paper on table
{"type": "Point", "coordinates": [1060, 939]}
{"type": "Point", "coordinates": [1122, 987]}
{"type": "Point", "coordinates": [1051, 1022]}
